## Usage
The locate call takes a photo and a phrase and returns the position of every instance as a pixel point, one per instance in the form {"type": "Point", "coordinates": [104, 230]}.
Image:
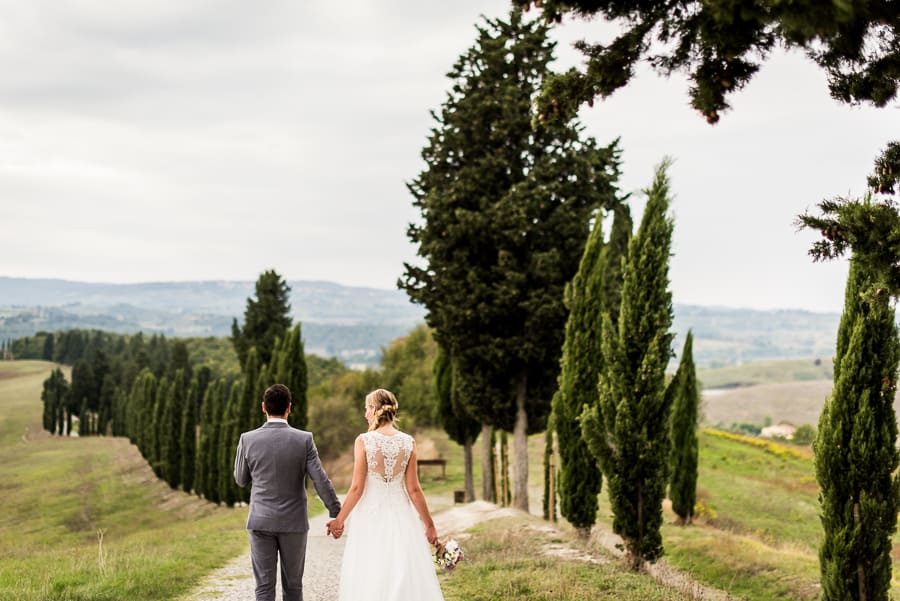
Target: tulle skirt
{"type": "Point", "coordinates": [386, 556]}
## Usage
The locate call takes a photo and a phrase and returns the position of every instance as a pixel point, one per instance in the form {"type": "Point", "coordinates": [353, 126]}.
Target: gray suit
{"type": "Point", "coordinates": [276, 459]}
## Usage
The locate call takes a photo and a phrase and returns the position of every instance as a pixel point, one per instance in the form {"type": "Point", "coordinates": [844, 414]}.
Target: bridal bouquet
{"type": "Point", "coordinates": [447, 554]}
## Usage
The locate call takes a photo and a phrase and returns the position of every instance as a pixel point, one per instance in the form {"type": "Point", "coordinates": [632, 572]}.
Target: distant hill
{"type": "Point", "coordinates": [354, 323]}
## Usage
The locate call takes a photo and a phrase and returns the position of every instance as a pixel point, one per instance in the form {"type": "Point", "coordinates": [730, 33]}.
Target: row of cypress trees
{"type": "Point", "coordinates": [185, 423]}
{"type": "Point", "coordinates": [189, 438]}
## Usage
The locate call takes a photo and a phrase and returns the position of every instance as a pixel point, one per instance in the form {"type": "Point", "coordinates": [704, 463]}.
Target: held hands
{"type": "Point", "coordinates": [334, 528]}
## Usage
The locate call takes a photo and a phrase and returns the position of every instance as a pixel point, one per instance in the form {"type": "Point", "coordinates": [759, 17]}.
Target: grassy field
{"type": "Point", "coordinates": [85, 519]}
{"type": "Point", "coordinates": [756, 535]}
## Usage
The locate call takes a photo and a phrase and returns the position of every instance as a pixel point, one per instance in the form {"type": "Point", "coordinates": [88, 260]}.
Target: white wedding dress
{"type": "Point", "coordinates": [386, 557]}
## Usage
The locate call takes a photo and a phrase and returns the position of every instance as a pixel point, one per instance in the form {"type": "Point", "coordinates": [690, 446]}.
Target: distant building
{"type": "Point", "coordinates": [781, 430]}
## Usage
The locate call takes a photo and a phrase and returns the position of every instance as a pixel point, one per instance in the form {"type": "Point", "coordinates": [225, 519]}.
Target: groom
{"type": "Point", "coordinates": [276, 459]}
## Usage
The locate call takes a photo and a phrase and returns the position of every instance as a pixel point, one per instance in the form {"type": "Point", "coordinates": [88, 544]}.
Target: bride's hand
{"type": "Point", "coordinates": [335, 528]}
{"type": "Point", "coordinates": [431, 535]}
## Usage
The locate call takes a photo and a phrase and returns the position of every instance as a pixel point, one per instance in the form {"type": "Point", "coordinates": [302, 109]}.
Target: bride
{"type": "Point", "coordinates": [387, 555]}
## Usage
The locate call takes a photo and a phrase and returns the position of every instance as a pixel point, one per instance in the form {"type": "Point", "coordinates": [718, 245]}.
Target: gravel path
{"type": "Point", "coordinates": [234, 581]}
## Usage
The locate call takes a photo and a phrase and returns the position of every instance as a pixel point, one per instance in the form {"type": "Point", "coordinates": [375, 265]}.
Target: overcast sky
{"type": "Point", "coordinates": [159, 140]}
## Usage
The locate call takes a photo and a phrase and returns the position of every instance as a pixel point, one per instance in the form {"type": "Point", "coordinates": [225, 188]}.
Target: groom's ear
{"type": "Point", "coordinates": [263, 407]}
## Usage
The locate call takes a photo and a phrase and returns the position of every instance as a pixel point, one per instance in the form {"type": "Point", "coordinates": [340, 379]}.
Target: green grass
{"type": "Point", "coordinates": [61, 494]}
{"type": "Point", "coordinates": [505, 560]}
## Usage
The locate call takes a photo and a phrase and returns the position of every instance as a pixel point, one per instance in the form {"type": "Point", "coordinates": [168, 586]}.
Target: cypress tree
{"type": "Point", "coordinates": [628, 432]}
{"type": "Point", "coordinates": [228, 490]}
{"type": "Point", "coordinates": [579, 476]}
{"type": "Point", "coordinates": [157, 430]}
{"type": "Point", "coordinates": [615, 253]}
{"type": "Point", "coordinates": [55, 396]}
{"type": "Point", "coordinates": [266, 318]}
{"type": "Point", "coordinates": [683, 462]}
{"type": "Point", "coordinates": [189, 416]}
{"type": "Point", "coordinates": [506, 212]}
{"type": "Point", "coordinates": [47, 355]}
{"type": "Point", "coordinates": [84, 420]}
{"type": "Point", "coordinates": [855, 449]}
{"type": "Point", "coordinates": [167, 445]}
{"type": "Point", "coordinates": [288, 367]}
{"type": "Point", "coordinates": [218, 402]}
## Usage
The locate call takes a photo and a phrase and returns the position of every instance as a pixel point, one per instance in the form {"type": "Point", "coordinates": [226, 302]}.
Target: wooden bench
{"type": "Point", "coordinates": [440, 462]}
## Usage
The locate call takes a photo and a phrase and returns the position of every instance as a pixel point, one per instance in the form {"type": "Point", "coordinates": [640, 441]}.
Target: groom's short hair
{"type": "Point", "coordinates": [277, 398]}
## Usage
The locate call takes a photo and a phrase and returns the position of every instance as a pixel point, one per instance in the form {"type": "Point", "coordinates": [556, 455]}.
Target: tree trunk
{"type": "Point", "coordinates": [520, 444]}
{"type": "Point", "coordinates": [487, 465]}
{"type": "Point", "coordinates": [470, 481]}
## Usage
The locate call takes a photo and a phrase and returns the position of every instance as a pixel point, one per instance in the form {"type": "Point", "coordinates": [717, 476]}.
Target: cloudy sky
{"type": "Point", "coordinates": [159, 140]}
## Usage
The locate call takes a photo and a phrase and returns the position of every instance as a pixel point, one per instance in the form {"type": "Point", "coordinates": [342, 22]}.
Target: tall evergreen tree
{"type": "Point", "coordinates": [55, 398]}
{"type": "Point", "coordinates": [459, 425]}
{"type": "Point", "coordinates": [615, 254]}
{"type": "Point", "coordinates": [48, 347]}
{"type": "Point", "coordinates": [579, 476]}
{"type": "Point", "coordinates": [207, 451]}
{"type": "Point", "coordinates": [506, 213]}
{"type": "Point", "coordinates": [157, 426]}
{"type": "Point", "coordinates": [683, 461]}
{"type": "Point", "coordinates": [189, 415]}
{"type": "Point", "coordinates": [230, 433]}
{"type": "Point", "coordinates": [855, 450]}
{"type": "Point", "coordinates": [628, 432]}
{"type": "Point", "coordinates": [288, 367]}
{"type": "Point", "coordinates": [266, 318]}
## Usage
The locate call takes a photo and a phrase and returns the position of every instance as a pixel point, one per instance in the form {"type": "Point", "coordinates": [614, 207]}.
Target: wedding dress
{"type": "Point", "coordinates": [386, 557]}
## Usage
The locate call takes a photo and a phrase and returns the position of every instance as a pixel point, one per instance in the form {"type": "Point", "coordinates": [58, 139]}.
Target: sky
{"type": "Point", "coordinates": [157, 140]}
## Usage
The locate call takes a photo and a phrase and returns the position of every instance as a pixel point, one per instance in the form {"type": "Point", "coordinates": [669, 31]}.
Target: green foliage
{"type": "Point", "coordinates": [683, 460]}
{"type": "Point", "coordinates": [407, 372]}
{"type": "Point", "coordinates": [506, 212]}
{"type": "Point", "coordinates": [628, 431]}
{"type": "Point", "coordinates": [804, 435]}
{"type": "Point", "coordinates": [337, 410]}
{"type": "Point", "coordinates": [856, 453]}
{"type": "Point", "coordinates": [320, 369]}
{"type": "Point", "coordinates": [579, 476]}
{"type": "Point", "coordinates": [55, 397]}
{"type": "Point", "coordinates": [188, 442]}
{"type": "Point", "coordinates": [870, 227]}
{"type": "Point", "coordinates": [457, 422]}
{"type": "Point", "coordinates": [721, 45]}
{"type": "Point", "coordinates": [266, 318]}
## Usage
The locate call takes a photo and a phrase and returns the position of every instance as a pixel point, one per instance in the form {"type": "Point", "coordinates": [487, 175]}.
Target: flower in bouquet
{"type": "Point", "coordinates": [447, 554]}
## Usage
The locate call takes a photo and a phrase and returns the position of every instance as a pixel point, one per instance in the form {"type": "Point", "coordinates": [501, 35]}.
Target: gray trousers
{"type": "Point", "coordinates": [265, 548]}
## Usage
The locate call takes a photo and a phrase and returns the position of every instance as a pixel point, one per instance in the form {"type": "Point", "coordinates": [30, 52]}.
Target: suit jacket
{"type": "Point", "coordinates": [276, 459]}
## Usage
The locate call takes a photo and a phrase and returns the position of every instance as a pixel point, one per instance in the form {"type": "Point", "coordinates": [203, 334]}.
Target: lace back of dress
{"type": "Point", "coordinates": [387, 456]}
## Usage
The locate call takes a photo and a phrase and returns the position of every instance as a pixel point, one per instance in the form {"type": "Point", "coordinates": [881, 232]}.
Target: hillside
{"type": "Point", "coordinates": [354, 323]}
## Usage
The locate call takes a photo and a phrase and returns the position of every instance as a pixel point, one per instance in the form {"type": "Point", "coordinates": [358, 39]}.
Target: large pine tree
{"type": "Point", "coordinates": [683, 460]}
{"type": "Point", "coordinates": [855, 449]}
{"type": "Point", "coordinates": [506, 211]}
{"type": "Point", "coordinates": [628, 432]}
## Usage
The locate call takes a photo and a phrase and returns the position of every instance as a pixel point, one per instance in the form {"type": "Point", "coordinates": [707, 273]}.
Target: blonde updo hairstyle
{"type": "Point", "coordinates": [385, 405]}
